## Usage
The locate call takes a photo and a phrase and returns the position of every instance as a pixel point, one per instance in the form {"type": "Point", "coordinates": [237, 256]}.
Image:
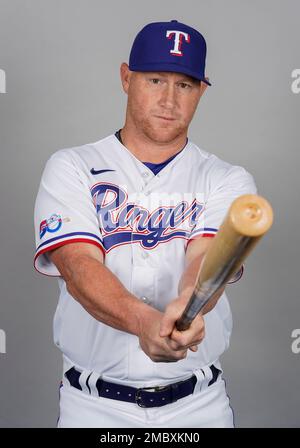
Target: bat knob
{"type": "Point", "coordinates": [251, 215]}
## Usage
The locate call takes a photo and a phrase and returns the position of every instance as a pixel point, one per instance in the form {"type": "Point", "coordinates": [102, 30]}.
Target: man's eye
{"type": "Point", "coordinates": [184, 85]}
{"type": "Point", "coordinates": [155, 80]}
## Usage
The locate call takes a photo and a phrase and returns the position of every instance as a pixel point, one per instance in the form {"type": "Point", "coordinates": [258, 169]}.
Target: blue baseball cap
{"type": "Point", "coordinates": [169, 47]}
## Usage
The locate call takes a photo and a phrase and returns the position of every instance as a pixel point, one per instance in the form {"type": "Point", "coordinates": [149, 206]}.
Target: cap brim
{"type": "Point", "coordinates": [175, 68]}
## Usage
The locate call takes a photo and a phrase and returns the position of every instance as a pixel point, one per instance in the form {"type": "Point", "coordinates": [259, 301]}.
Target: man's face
{"type": "Point", "coordinates": [161, 105]}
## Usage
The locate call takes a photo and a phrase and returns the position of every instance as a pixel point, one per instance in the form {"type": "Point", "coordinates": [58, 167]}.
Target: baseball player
{"type": "Point", "coordinates": [124, 224]}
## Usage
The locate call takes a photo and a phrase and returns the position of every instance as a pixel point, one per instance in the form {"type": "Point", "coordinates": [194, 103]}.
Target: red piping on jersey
{"type": "Point", "coordinates": [207, 235]}
{"type": "Point", "coordinates": [62, 243]}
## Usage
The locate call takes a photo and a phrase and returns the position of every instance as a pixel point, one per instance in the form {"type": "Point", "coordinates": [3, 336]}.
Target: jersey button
{"type": "Point", "coordinates": [145, 174]}
{"type": "Point", "coordinates": [145, 255]}
{"type": "Point", "coordinates": [147, 193]}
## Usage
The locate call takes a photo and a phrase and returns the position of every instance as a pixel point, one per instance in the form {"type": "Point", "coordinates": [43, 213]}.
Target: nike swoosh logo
{"type": "Point", "coordinates": [94, 172]}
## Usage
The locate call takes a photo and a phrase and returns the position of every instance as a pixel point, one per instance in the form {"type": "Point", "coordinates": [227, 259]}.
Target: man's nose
{"type": "Point", "coordinates": [168, 96]}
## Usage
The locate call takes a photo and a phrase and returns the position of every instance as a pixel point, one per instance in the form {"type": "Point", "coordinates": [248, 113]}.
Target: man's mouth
{"type": "Point", "coordinates": [165, 118]}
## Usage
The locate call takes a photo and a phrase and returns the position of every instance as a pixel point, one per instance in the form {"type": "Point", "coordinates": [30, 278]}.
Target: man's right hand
{"type": "Point", "coordinates": [156, 347]}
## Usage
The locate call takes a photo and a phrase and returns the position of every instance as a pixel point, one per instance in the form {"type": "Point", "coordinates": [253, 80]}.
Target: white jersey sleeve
{"type": "Point", "coordinates": [64, 211]}
{"type": "Point", "coordinates": [231, 182]}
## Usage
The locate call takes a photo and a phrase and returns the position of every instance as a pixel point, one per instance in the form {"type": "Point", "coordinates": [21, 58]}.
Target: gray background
{"type": "Point", "coordinates": [62, 59]}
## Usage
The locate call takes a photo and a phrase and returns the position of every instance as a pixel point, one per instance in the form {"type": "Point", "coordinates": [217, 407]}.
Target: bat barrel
{"type": "Point", "coordinates": [250, 215]}
{"type": "Point", "coordinates": [248, 219]}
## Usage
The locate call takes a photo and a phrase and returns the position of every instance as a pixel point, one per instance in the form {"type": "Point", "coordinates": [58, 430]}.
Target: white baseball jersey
{"type": "Point", "coordinates": [100, 193]}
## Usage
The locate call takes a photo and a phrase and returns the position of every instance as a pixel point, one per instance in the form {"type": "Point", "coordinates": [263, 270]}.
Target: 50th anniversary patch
{"type": "Point", "coordinates": [52, 224]}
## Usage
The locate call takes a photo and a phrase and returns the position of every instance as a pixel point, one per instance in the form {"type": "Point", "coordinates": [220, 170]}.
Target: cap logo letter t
{"type": "Point", "coordinates": [179, 35]}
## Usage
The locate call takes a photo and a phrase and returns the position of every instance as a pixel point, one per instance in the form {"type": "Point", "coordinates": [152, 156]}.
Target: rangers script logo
{"type": "Point", "coordinates": [123, 221]}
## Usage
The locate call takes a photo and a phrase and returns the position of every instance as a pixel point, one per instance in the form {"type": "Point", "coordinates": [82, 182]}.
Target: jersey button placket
{"type": "Point", "coordinates": [147, 178]}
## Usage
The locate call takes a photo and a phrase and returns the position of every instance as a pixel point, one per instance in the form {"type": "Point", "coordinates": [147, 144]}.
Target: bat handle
{"type": "Point", "coordinates": [191, 310]}
{"type": "Point", "coordinates": [197, 301]}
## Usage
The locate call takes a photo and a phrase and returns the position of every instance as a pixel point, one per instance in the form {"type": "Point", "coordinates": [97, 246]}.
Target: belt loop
{"type": "Point", "coordinates": [200, 377]}
{"type": "Point", "coordinates": [92, 384]}
{"type": "Point", "coordinates": [204, 376]}
{"type": "Point", "coordinates": [83, 381]}
{"type": "Point", "coordinates": [207, 377]}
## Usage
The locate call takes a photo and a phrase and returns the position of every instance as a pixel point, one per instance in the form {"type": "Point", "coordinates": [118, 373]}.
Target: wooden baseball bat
{"type": "Point", "coordinates": [248, 219]}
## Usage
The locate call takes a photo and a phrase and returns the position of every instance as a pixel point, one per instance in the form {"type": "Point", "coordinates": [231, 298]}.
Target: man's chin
{"type": "Point", "coordinates": [163, 134]}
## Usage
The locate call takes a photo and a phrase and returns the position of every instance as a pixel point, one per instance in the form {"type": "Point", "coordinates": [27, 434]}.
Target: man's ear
{"type": "Point", "coordinates": [203, 86]}
{"type": "Point", "coordinates": [125, 74]}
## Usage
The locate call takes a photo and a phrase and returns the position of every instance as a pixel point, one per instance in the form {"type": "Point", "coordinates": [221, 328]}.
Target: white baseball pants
{"type": "Point", "coordinates": [207, 407]}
